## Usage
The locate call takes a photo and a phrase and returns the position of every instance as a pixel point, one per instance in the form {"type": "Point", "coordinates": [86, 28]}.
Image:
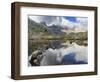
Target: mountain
{"type": "Point", "coordinates": [36, 27]}
{"type": "Point", "coordinates": [56, 30]}
{"type": "Point", "coordinates": [41, 29]}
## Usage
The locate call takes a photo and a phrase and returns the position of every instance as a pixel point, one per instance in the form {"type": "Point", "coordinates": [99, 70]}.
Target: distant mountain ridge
{"type": "Point", "coordinates": [36, 28]}
{"type": "Point", "coordinates": [41, 30]}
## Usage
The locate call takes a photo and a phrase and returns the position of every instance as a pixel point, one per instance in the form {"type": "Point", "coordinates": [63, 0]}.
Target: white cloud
{"type": "Point", "coordinates": [80, 24]}
{"type": "Point", "coordinates": [67, 24]}
{"type": "Point", "coordinates": [83, 21]}
{"type": "Point", "coordinates": [35, 18]}
{"type": "Point", "coordinates": [49, 20]}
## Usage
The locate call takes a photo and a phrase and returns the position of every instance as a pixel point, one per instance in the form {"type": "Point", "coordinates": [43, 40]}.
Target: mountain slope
{"type": "Point", "coordinates": [42, 29]}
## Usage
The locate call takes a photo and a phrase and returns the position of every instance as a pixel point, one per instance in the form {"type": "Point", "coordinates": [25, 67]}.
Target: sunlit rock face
{"type": "Point", "coordinates": [73, 54]}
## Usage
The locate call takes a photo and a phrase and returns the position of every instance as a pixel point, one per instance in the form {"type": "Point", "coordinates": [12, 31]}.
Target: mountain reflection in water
{"type": "Point", "coordinates": [58, 52]}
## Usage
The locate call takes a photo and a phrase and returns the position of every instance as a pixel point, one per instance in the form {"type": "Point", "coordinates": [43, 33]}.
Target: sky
{"type": "Point", "coordinates": [69, 22]}
{"type": "Point", "coordinates": [73, 19]}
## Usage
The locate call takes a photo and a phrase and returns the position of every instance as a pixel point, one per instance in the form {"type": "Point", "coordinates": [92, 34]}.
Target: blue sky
{"type": "Point", "coordinates": [82, 20]}
{"type": "Point", "coordinates": [73, 19]}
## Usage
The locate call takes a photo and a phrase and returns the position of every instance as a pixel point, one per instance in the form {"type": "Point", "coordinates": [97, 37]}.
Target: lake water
{"type": "Point", "coordinates": [59, 52]}
{"type": "Point", "coordinates": [43, 44]}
